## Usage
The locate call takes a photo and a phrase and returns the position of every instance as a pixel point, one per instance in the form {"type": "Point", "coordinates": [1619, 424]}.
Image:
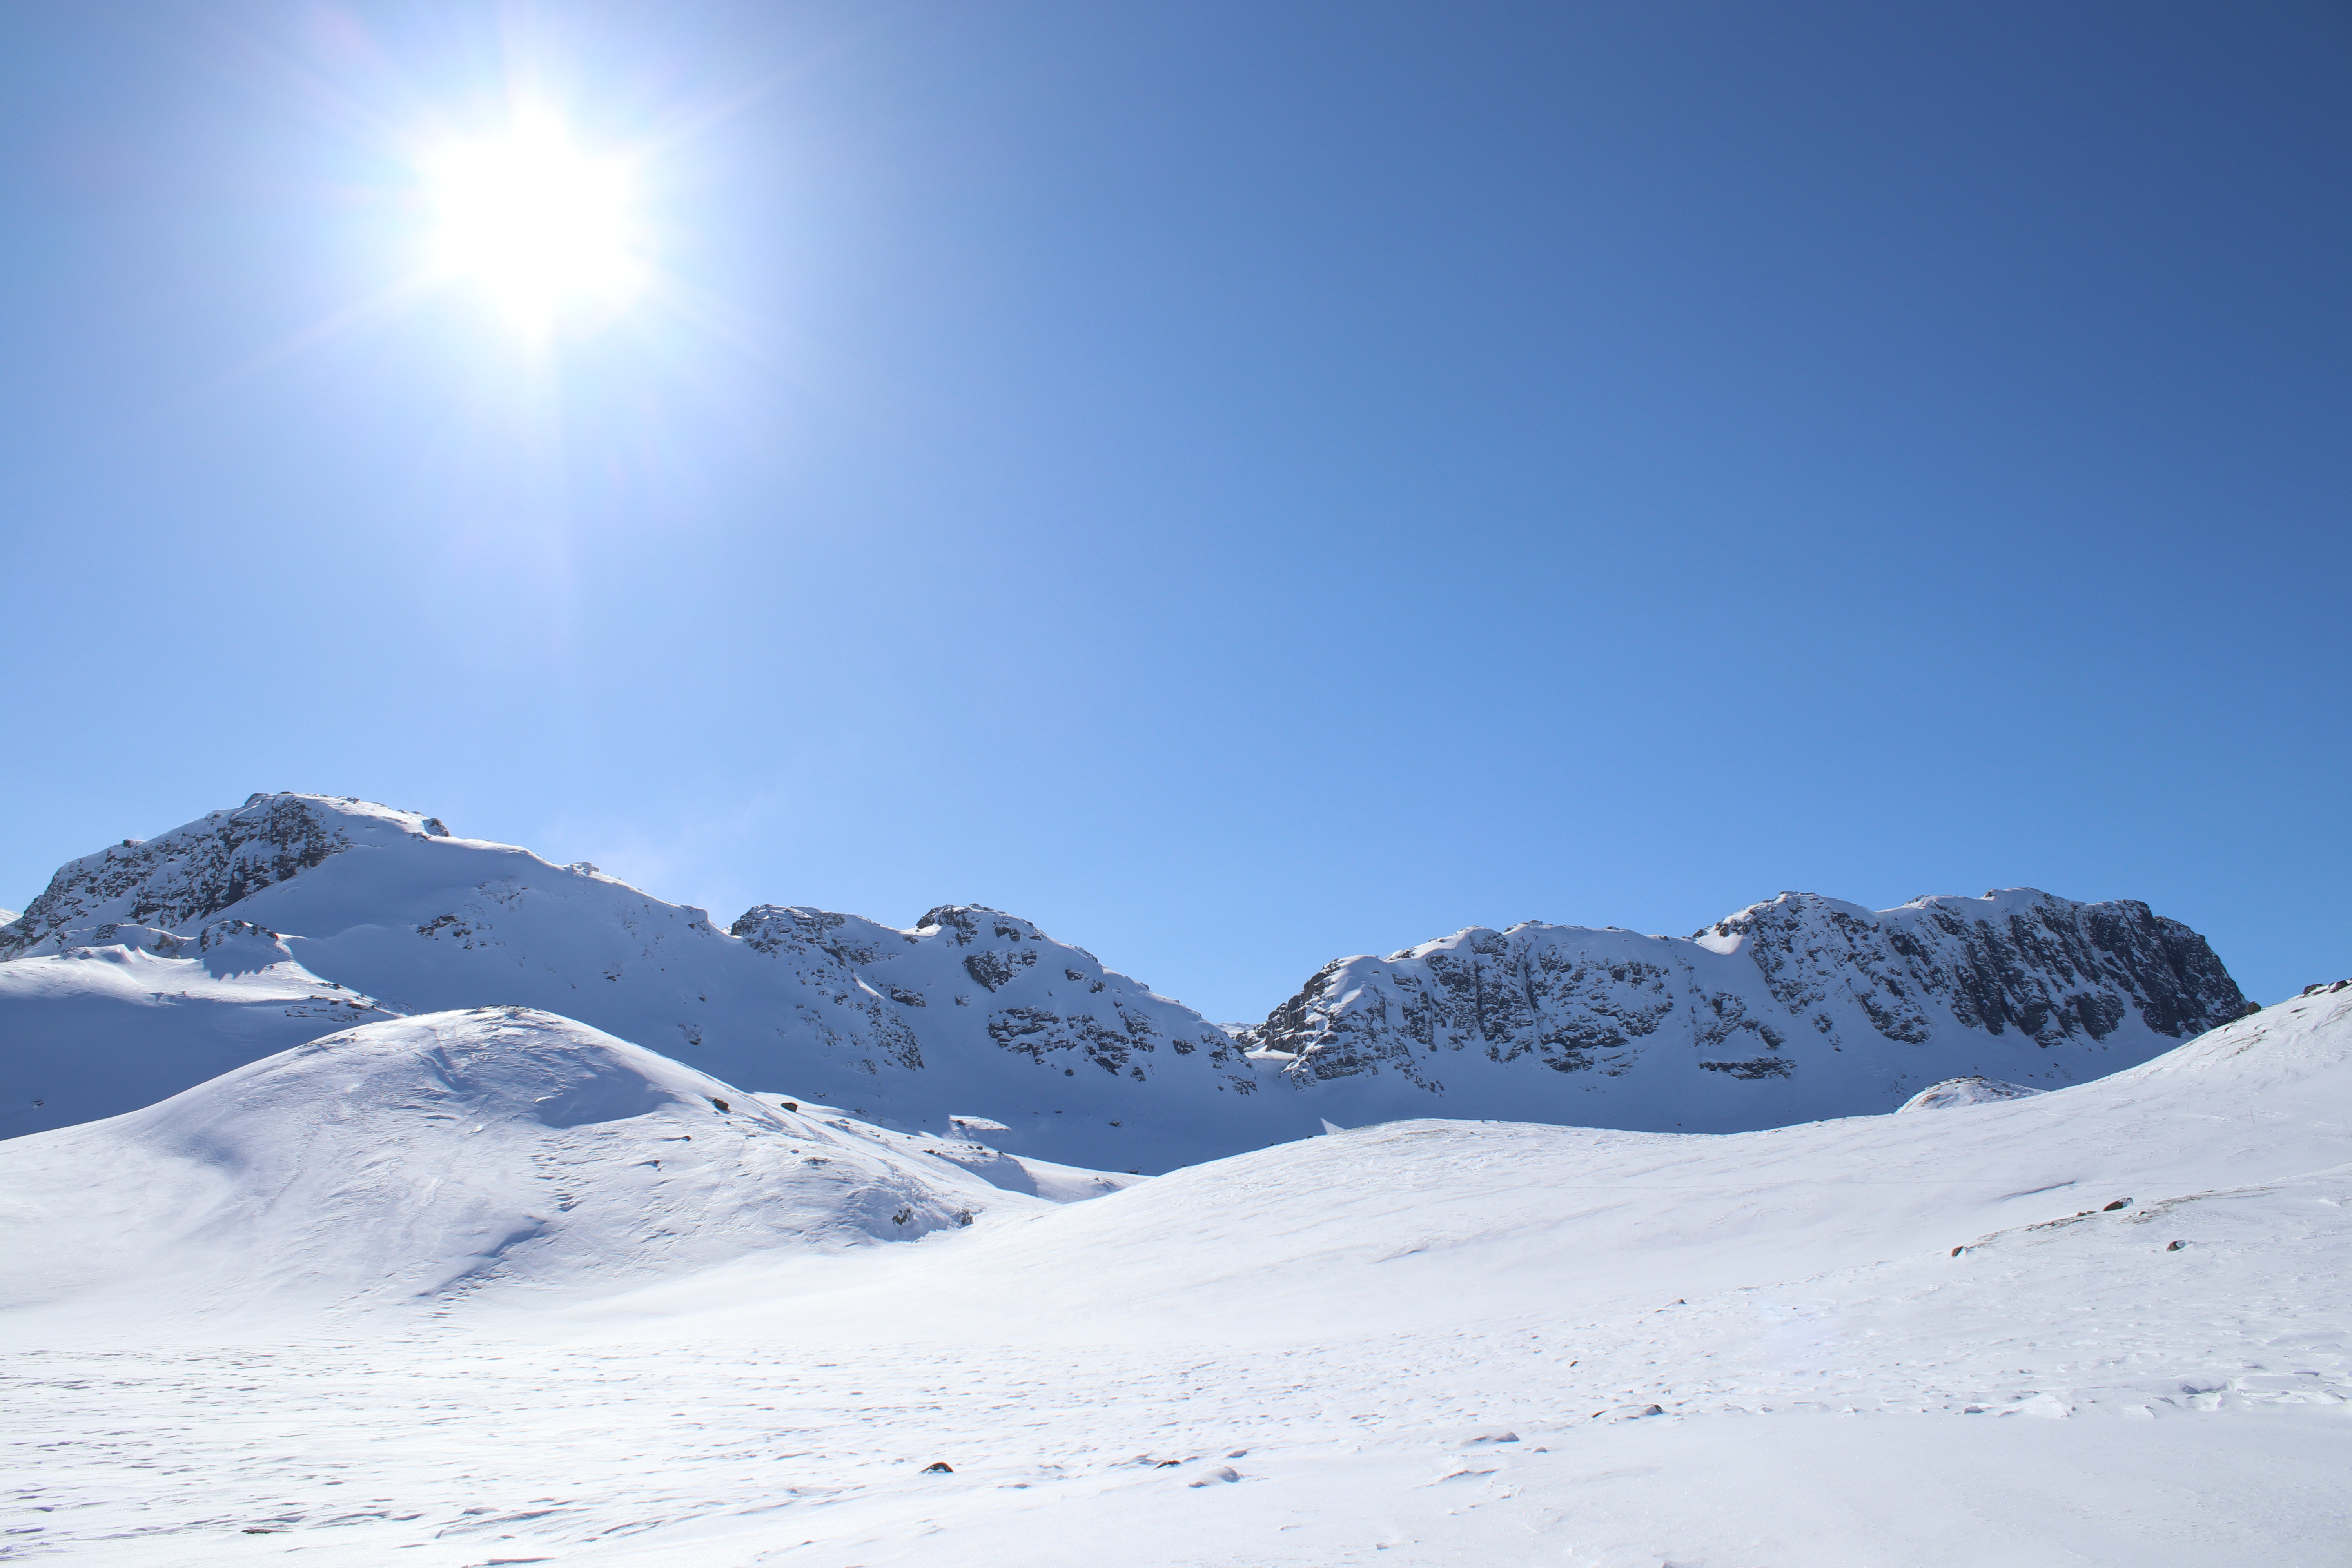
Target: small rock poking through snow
{"type": "Point", "coordinates": [1971, 1090]}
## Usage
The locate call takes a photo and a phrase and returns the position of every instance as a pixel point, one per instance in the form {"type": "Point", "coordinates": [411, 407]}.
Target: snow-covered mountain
{"type": "Point", "coordinates": [1792, 1010]}
{"type": "Point", "coordinates": [151, 966]}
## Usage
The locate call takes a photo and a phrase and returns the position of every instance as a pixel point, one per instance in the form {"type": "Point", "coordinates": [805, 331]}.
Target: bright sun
{"type": "Point", "coordinates": [546, 229]}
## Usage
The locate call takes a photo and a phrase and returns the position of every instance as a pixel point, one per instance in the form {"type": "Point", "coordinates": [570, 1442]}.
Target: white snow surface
{"type": "Point", "coordinates": [1964, 1091]}
{"type": "Point", "coordinates": [421, 1158]}
{"type": "Point", "coordinates": [96, 1030]}
{"type": "Point", "coordinates": [2102, 1324]}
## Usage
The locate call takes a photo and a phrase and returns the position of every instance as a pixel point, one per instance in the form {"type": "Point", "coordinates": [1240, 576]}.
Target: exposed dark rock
{"type": "Point", "coordinates": [1759, 1067]}
{"type": "Point", "coordinates": [189, 875]}
{"type": "Point", "coordinates": [994, 967]}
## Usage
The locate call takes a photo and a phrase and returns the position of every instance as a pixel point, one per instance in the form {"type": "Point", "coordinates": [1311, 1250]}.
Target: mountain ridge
{"type": "Point", "coordinates": [151, 964]}
{"type": "Point", "coordinates": [1765, 996]}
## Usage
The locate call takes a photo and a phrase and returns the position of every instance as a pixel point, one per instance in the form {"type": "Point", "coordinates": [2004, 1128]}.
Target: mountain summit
{"type": "Point", "coordinates": [151, 966]}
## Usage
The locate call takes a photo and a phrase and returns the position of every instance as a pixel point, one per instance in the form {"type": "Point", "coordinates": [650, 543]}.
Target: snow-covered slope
{"type": "Point", "coordinates": [410, 1160]}
{"type": "Point", "coordinates": [109, 1003]}
{"type": "Point", "coordinates": [93, 1031]}
{"type": "Point", "coordinates": [990, 1017]}
{"type": "Point", "coordinates": [1788, 1011]}
{"type": "Point", "coordinates": [1391, 1223]}
{"type": "Point", "coordinates": [2102, 1325]}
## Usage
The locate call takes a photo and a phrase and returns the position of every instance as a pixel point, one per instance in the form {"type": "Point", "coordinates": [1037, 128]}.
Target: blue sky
{"type": "Point", "coordinates": [1236, 484]}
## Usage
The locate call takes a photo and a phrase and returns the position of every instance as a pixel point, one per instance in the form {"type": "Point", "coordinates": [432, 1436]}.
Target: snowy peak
{"type": "Point", "coordinates": [973, 1012]}
{"type": "Point", "coordinates": [1023, 992]}
{"type": "Point", "coordinates": [199, 869]}
{"type": "Point", "coordinates": [2016, 958]}
{"type": "Point", "coordinates": [1799, 1006]}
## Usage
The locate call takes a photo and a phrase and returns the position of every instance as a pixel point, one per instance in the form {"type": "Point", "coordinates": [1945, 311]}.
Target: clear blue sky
{"type": "Point", "coordinates": [1235, 483]}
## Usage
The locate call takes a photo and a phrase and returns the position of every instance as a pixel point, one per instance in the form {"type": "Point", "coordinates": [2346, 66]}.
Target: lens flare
{"type": "Point", "coordinates": [542, 227]}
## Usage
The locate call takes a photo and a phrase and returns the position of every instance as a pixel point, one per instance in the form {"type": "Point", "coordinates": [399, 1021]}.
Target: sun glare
{"type": "Point", "coordinates": [544, 228]}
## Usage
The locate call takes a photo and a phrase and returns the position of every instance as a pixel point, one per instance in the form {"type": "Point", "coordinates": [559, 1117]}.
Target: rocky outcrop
{"type": "Point", "coordinates": [2046, 966]}
{"type": "Point", "coordinates": [822, 951]}
{"type": "Point", "coordinates": [980, 980]}
{"type": "Point", "coordinates": [1764, 993]}
{"type": "Point", "coordinates": [183, 878]}
{"type": "Point", "coordinates": [1973, 1091]}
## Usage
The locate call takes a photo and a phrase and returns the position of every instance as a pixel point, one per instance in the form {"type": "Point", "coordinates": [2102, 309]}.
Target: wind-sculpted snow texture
{"type": "Point", "coordinates": [118, 995]}
{"type": "Point", "coordinates": [1788, 1011]}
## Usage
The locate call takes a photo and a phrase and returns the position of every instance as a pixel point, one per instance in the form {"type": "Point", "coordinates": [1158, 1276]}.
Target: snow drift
{"type": "Point", "coordinates": [412, 1158]}
{"type": "Point", "coordinates": [1971, 1090]}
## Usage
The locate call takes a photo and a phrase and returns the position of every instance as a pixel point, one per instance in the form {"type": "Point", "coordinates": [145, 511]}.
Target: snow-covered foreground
{"type": "Point", "coordinates": [1425, 1342]}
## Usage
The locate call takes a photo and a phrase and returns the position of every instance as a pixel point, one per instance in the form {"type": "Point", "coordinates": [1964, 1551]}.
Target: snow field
{"type": "Point", "coordinates": [1425, 1343]}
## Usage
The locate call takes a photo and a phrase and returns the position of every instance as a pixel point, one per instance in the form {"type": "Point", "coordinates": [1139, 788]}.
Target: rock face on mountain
{"type": "Point", "coordinates": [1757, 1008]}
{"type": "Point", "coordinates": [1019, 992]}
{"type": "Point", "coordinates": [195, 871]}
{"type": "Point", "coordinates": [150, 967]}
